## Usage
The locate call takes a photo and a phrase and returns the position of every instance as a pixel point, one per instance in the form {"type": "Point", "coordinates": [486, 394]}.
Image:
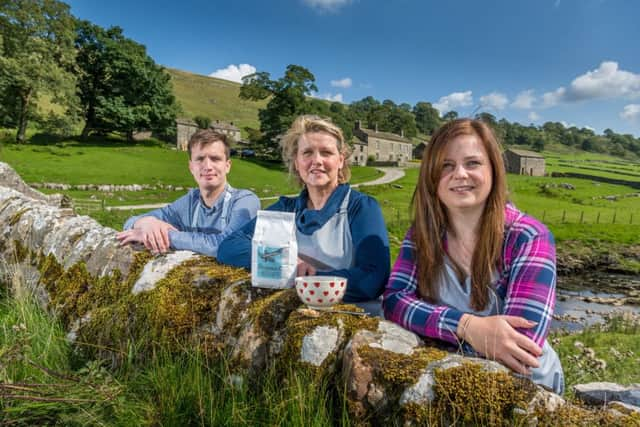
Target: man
{"type": "Point", "coordinates": [201, 219]}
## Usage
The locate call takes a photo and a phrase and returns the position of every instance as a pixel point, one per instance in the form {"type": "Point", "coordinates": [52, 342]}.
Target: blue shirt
{"type": "Point", "coordinates": [366, 279]}
{"type": "Point", "coordinates": [201, 228]}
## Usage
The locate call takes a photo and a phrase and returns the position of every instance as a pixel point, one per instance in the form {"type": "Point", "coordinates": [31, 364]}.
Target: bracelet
{"type": "Point", "coordinates": [464, 327]}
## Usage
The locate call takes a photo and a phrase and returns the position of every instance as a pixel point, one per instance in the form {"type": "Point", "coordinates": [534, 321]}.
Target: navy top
{"type": "Point", "coordinates": [370, 272]}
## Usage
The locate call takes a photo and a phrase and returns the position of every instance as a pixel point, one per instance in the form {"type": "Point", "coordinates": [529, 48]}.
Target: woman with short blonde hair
{"type": "Point", "coordinates": [339, 231]}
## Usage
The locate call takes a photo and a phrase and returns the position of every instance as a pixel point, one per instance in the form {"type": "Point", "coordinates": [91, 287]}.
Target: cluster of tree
{"type": "Point", "coordinates": [290, 96]}
{"type": "Point", "coordinates": [94, 74]}
{"type": "Point", "coordinates": [555, 133]}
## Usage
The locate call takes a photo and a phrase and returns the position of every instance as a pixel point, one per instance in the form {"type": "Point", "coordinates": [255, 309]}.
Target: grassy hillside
{"type": "Point", "coordinates": [214, 98]}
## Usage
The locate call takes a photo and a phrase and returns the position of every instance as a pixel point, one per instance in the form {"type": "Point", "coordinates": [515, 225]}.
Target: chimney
{"type": "Point", "coordinates": [358, 124]}
{"type": "Point", "coordinates": [402, 133]}
{"type": "Point", "coordinates": [376, 126]}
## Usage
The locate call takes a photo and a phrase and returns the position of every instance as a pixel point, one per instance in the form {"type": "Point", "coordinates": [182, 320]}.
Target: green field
{"type": "Point", "coordinates": [574, 209]}
{"type": "Point", "coordinates": [593, 164]}
{"type": "Point", "coordinates": [214, 98]}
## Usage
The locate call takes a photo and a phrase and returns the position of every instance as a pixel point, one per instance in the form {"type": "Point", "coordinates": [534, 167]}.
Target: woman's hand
{"type": "Point", "coordinates": [305, 269]}
{"type": "Point", "coordinates": [496, 338]}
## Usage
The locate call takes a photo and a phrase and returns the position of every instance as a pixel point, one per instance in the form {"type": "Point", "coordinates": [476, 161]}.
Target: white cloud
{"type": "Point", "coordinates": [326, 5]}
{"type": "Point", "coordinates": [607, 81]}
{"type": "Point", "coordinates": [631, 112]}
{"type": "Point", "coordinates": [533, 116]}
{"type": "Point", "coordinates": [494, 100]}
{"type": "Point", "coordinates": [524, 99]}
{"type": "Point", "coordinates": [550, 99]}
{"type": "Point", "coordinates": [454, 100]}
{"type": "Point", "coordinates": [235, 73]}
{"type": "Point", "coordinates": [333, 98]}
{"type": "Point", "coordinates": [344, 83]}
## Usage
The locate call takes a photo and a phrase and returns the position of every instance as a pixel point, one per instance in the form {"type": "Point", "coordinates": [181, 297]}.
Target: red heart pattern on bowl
{"type": "Point", "coordinates": [320, 292]}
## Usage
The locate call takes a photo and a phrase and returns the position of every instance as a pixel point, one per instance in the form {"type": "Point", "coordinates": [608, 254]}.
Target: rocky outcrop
{"type": "Point", "coordinates": [119, 302]}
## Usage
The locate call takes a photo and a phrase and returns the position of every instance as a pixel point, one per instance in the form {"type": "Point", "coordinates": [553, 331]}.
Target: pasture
{"type": "Point", "coordinates": [574, 209]}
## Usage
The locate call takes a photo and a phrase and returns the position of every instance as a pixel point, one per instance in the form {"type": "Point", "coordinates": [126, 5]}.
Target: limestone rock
{"type": "Point", "coordinates": [600, 393]}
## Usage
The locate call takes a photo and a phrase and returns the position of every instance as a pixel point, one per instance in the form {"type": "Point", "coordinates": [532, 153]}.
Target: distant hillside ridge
{"type": "Point", "coordinates": [214, 98]}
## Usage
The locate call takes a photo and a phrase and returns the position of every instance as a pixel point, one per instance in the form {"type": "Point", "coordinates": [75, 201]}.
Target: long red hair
{"type": "Point", "coordinates": [430, 218]}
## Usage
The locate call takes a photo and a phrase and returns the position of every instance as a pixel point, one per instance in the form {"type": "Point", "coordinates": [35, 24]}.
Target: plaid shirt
{"type": "Point", "coordinates": [526, 282]}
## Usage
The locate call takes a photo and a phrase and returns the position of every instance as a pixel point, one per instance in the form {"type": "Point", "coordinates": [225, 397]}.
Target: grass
{"type": "Point", "coordinates": [189, 389]}
{"type": "Point", "coordinates": [603, 352]}
{"type": "Point", "coordinates": [113, 161]}
{"type": "Point", "coordinates": [214, 98]}
{"type": "Point", "coordinates": [44, 382]}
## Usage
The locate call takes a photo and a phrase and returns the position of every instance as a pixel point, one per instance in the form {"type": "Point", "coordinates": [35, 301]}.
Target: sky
{"type": "Point", "coordinates": [530, 61]}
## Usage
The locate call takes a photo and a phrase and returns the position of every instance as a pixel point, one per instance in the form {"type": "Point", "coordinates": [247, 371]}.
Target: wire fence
{"type": "Point", "coordinates": [400, 217]}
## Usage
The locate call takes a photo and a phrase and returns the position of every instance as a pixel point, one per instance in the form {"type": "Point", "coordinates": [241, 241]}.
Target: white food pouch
{"type": "Point", "coordinates": [274, 250]}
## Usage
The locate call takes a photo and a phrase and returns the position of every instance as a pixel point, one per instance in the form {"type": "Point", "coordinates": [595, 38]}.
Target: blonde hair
{"type": "Point", "coordinates": [309, 124]}
{"type": "Point", "coordinates": [430, 215]}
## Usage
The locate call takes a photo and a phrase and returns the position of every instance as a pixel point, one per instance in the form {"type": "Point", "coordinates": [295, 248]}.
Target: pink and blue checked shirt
{"type": "Point", "coordinates": [525, 282]}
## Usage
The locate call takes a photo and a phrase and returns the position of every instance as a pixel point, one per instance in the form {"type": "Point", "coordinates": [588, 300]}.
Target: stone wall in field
{"type": "Point", "coordinates": [122, 302]}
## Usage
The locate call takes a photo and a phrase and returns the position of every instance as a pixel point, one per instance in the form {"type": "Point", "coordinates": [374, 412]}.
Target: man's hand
{"type": "Point", "coordinates": [305, 269]}
{"type": "Point", "coordinates": [496, 338]}
{"type": "Point", "coordinates": [151, 232]}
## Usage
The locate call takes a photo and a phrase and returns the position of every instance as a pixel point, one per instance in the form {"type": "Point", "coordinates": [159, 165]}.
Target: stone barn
{"type": "Point", "coordinates": [381, 146]}
{"type": "Point", "coordinates": [524, 162]}
{"type": "Point", "coordinates": [185, 128]}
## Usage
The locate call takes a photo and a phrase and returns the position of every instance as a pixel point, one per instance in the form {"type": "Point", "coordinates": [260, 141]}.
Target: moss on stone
{"type": "Point", "coordinates": [399, 370]}
{"type": "Point", "coordinates": [301, 323]}
{"type": "Point", "coordinates": [577, 415]}
{"type": "Point", "coordinates": [467, 394]}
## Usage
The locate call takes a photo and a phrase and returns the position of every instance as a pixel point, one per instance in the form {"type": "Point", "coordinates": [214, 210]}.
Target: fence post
{"type": "Point", "coordinates": [102, 204]}
{"type": "Point", "coordinates": [631, 219]}
{"type": "Point", "coordinates": [544, 214]}
{"type": "Point", "coordinates": [581, 216]}
{"type": "Point", "coordinates": [564, 213]}
{"type": "Point", "coordinates": [614, 216]}
{"type": "Point", "coordinates": [598, 218]}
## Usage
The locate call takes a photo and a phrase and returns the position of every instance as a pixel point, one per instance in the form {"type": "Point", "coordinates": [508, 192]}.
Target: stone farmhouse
{"type": "Point", "coordinates": [524, 162]}
{"type": "Point", "coordinates": [185, 128]}
{"type": "Point", "coordinates": [381, 146]}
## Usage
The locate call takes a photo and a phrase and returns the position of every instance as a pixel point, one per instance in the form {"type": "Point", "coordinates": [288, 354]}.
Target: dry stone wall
{"type": "Point", "coordinates": [111, 298]}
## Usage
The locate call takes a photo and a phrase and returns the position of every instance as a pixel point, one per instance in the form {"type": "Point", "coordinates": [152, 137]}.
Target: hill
{"type": "Point", "coordinates": [214, 98]}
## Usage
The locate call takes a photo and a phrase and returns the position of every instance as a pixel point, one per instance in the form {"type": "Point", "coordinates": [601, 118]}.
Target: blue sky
{"type": "Point", "coordinates": [530, 61]}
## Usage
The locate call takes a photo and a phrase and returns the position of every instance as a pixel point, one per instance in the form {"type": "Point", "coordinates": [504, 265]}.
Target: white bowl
{"type": "Point", "coordinates": [320, 292]}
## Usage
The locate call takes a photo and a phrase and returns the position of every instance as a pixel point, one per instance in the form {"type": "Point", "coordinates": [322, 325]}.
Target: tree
{"type": "Point", "coordinates": [203, 122]}
{"type": "Point", "coordinates": [538, 144]}
{"type": "Point", "coordinates": [121, 88]}
{"type": "Point", "coordinates": [36, 57]}
{"type": "Point", "coordinates": [427, 118]}
{"type": "Point", "coordinates": [287, 98]}
{"type": "Point", "coordinates": [451, 115]}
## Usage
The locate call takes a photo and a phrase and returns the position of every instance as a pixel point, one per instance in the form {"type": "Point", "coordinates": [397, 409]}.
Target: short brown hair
{"type": "Point", "coordinates": [309, 124]}
{"type": "Point", "coordinates": [204, 137]}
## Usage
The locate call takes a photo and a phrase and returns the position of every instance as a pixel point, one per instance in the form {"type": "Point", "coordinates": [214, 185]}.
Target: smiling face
{"type": "Point", "coordinates": [318, 161]}
{"type": "Point", "coordinates": [209, 166]}
{"type": "Point", "coordinates": [466, 178]}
